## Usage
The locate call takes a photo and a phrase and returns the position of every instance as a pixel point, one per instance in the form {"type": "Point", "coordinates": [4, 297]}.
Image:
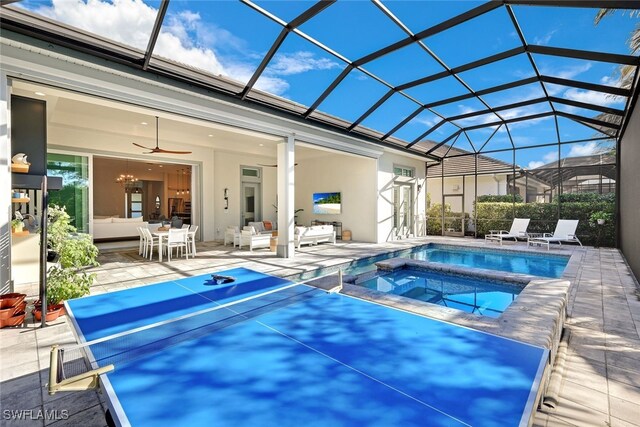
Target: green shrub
{"type": "Point", "coordinates": [505, 198]}
{"type": "Point", "coordinates": [544, 216]}
{"type": "Point", "coordinates": [587, 197]}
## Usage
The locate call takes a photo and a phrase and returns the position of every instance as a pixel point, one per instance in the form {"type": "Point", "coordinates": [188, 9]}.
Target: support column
{"type": "Point", "coordinates": [6, 209]}
{"type": "Point", "coordinates": [286, 197]}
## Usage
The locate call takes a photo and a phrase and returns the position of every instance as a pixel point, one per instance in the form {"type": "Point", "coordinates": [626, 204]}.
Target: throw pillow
{"type": "Point", "coordinates": [267, 225]}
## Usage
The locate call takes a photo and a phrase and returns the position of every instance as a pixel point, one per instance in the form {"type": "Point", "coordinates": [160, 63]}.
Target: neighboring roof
{"type": "Point", "coordinates": [462, 162]}
{"type": "Point", "coordinates": [293, 24]}
{"type": "Point", "coordinates": [596, 164]}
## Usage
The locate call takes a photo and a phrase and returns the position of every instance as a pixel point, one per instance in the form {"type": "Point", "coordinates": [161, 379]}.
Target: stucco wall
{"type": "Point", "coordinates": [353, 177]}
{"type": "Point", "coordinates": [629, 190]}
{"type": "Point", "coordinates": [227, 168]}
{"type": "Point", "coordinates": [386, 179]}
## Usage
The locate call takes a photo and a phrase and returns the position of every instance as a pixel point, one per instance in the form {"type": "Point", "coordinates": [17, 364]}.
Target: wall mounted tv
{"type": "Point", "coordinates": [327, 203]}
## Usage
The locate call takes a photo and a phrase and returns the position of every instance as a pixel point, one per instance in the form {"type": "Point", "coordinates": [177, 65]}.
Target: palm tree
{"type": "Point", "coordinates": [627, 72]}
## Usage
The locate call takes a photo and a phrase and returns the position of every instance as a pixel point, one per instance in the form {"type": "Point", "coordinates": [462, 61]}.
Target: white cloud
{"type": "Point", "coordinates": [551, 156]}
{"type": "Point", "coordinates": [584, 149]}
{"type": "Point", "coordinates": [567, 72]}
{"type": "Point", "coordinates": [184, 38]}
{"type": "Point", "coordinates": [535, 164]}
{"type": "Point", "coordinates": [592, 97]}
{"type": "Point", "coordinates": [126, 21]}
{"type": "Point", "coordinates": [299, 62]}
{"type": "Point", "coordinates": [543, 40]}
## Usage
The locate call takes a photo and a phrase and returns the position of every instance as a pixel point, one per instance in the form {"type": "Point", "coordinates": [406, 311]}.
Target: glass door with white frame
{"type": "Point", "coordinates": [403, 210]}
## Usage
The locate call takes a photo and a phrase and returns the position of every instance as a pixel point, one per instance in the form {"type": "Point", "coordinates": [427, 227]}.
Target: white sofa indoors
{"type": "Point", "coordinates": [314, 235]}
{"type": "Point", "coordinates": [117, 228]}
{"type": "Point", "coordinates": [259, 227]}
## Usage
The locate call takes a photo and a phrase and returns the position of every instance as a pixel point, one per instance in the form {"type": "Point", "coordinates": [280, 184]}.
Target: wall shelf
{"type": "Point", "coordinates": [20, 168]}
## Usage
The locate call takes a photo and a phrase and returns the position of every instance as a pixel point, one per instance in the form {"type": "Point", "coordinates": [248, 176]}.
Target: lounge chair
{"type": "Point", "coordinates": [518, 229]}
{"type": "Point", "coordinates": [565, 232]}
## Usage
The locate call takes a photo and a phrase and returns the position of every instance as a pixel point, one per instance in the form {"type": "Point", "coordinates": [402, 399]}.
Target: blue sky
{"type": "Point", "coordinates": [228, 38]}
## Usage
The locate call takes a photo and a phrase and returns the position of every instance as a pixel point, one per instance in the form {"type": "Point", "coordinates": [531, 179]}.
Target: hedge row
{"type": "Point", "coordinates": [544, 216]}
{"type": "Point", "coordinates": [505, 198]}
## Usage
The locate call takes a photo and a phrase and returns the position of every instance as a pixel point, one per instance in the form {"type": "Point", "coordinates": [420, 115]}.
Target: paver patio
{"type": "Point", "coordinates": [600, 386]}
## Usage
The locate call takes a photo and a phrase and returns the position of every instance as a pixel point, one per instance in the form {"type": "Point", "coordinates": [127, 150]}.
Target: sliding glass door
{"type": "Point", "coordinates": [74, 171]}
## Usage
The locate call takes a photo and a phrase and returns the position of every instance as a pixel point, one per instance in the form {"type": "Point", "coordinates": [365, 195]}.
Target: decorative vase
{"type": "Point", "coordinates": [601, 222]}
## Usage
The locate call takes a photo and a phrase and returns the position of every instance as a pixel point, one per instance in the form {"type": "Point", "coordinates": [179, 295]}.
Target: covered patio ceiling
{"type": "Point", "coordinates": [394, 80]}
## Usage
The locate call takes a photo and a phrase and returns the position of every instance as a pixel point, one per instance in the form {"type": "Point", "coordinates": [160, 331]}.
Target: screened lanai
{"type": "Point", "coordinates": [490, 94]}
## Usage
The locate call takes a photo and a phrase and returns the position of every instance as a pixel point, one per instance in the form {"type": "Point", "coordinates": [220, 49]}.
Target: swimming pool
{"type": "Point", "coordinates": [472, 295]}
{"type": "Point", "coordinates": [514, 262]}
{"type": "Point", "coordinates": [535, 264]}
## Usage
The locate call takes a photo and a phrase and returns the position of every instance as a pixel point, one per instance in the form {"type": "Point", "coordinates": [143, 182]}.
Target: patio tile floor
{"type": "Point", "coordinates": [601, 385]}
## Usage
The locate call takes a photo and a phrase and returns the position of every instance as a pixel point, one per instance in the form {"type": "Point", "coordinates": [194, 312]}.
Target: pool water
{"type": "Point", "coordinates": [523, 263]}
{"type": "Point", "coordinates": [472, 295]}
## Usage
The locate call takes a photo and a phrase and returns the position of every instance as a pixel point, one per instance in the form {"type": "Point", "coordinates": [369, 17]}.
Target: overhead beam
{"type": "Point", "coordinates": [6, 2]}
{"type": "Point", "coordinates": [584, 54]}
{"type": "Point", "coordinates": [595, 107]}
{"type": "Point", "coordinates": [449, 23]}
{"type": "Point", "coordinates": [299, 20]}
{"type": "Point", "coordinates": [501, 108]}
{"type": "Point", "coordinates": [465, 67]}
{"type": "Point", "coordinates": [155, 32]}
{"type": "Point", "coordinates": [265, 61]}
{"type": "Point", "coordinates": [328, 90]}
{"type": "Point", "coordinates": [588, 86]}
{"type": "Point", "coordinates": [403, 122]}
{"type": "Point", "coordinates": [425, 134]}
{"type": "Point", "coordinates": [514, 120]}
{"type": "Point", "coordinates": [483, 92]}
{"type": "Point", "coordinates": [373, 108]}
{"type": "Point", "coordinates": [596, 4]}
{"type": "Point", "coordinates": [440, 144]}
{"type": "Point", "coordinates": [589, 120]}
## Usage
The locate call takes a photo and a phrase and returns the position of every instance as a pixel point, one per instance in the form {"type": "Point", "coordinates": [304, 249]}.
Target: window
{"type": "Point", "coordinates": [403, 171]}
{"type": "Point", "coordinates": [251, 172]}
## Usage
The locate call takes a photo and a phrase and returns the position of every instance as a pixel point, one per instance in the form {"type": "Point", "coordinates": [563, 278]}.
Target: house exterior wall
{"type": "Point", "coordinates": [487, 185]}
{"type": "Point", "coordinates": [354, 178]}
{"type": "Point", "coordinates": [386, 179]}
{"type": "Point", "coordinates": [227, 174]}
{"type": "Point", "coordinates": [628, 192]}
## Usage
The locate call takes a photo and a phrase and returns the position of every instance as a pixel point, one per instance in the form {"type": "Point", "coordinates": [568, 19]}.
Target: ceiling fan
{"type": "Point", "coordinates": [273, 166]}
{"type": "Point", "coordinates": [158, 149]}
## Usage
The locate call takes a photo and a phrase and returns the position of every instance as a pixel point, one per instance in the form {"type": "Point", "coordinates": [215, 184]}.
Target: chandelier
{"type": "Point", "coordinates": [126, 179]}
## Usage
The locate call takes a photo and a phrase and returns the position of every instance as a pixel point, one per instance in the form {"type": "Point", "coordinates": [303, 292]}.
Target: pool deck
{"type": "Point", "coordinates": [600, 386]}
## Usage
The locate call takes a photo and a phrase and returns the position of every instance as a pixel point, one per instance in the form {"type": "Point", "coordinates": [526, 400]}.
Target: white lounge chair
{"type": "Point", "coordinates": [565, 232]}
{"type": "Point", "coordinates": [249, 237]}
{"type": "Point", "coordinates": [518, 229]}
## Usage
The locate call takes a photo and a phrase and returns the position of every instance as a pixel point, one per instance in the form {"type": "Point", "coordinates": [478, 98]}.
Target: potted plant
{"type": "Point", "coordinates": [17, 225]}
{"type": "Point", "coordinates": [599, 218]}
{"type": "Point", "coordinates": [76, 252]}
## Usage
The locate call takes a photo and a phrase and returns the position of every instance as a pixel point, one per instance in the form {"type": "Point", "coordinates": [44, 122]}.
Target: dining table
{"type": "Point", "coordinates": [164, 235]}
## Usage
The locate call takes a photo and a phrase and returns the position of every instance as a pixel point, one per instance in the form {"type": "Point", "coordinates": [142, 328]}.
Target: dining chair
{"type": "Point", "coordinates": [185, 226]}
{"type": "Point", "coordinates": [177, 239]}
{"type": "Point", "coordinates": [191, 239]}
{"type": "Point", "coordinates": [142, 240]}
{"type": "Point", "coordinates": [150, 241]}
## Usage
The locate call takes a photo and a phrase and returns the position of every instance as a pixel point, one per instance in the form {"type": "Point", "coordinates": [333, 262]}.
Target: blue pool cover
{"type": "Point", "coordinates": [315, 359]}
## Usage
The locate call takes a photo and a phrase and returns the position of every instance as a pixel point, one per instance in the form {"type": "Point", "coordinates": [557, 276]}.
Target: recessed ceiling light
{"type": "Point", "coordinates": [149, 169]}
{"type": "Point", "coordinates": [261, 145]}
{"type": "Point", "coordinates": [143, 123]}
{"type": "Point", "coordinates": [209, 135]}
{"type": "Point", "coordinates": [40, 93]}
{"type": "Point", "coordinates": [159, 166]}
